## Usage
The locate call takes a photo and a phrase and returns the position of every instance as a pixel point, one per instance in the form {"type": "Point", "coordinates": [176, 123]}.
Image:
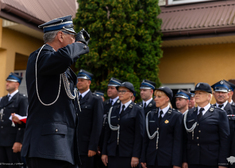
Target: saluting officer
{"type": "Point", "coordinates": [124, 131]}
{"type": "Point", "coordinates": [113, 100]}
{"type": "Point", "coordinates": [221, 92]}
{"type": "Point", "coordinates": [163, 140]}
{"type": "Point", "coordinates": [147, 88]}
{"type": "Point", "coordinates": [182, 99]}
{"type": "Point", "coordinates": [90, 119]}
{"type": "Point", "coordinates": [50, 134]}
{"type": "Point", "coordinates": [11, 136]}
{"type": "Point", "coordinates": [231, 90]}
{"type": "Point", "coordinates": [207, 137]}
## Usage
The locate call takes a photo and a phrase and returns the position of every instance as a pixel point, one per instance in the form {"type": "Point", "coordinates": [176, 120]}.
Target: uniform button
{"type": "Point", "coordinates": [56, 130]}
{"type": "Point", "coordinates": [199, 131]}
{"type": "Point", "coordinates": [197, 124]}
{"type": "Point", "coordinates": [197, 137]}
{"type": "Point", "coordinates": [198, 144]}
{"type": "Point", "coordinates": [19, 129]}
{"type": "Point", "coordinates": [77, 114]}
{"type": "Point", "coordinates": [1, 126]}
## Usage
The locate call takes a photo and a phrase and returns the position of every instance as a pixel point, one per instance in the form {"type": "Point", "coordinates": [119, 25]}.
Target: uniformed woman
{"type": "Point", "coordinates": [162, 146]}
{"type": "Point", "coordinates": [124, 131]}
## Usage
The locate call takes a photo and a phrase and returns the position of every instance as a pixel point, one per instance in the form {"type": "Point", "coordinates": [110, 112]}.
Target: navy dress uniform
{"type": "Point", "coordinates": [149, 104]}
{"type": "Point", "coordinates": [107, 105]}
{"type": "Point", "coordinates": [124, 133]}
{"type": "Point", "coordinates": [231, 90]}
{"type": "Point", "coordinates": [223, 86]}
{"type": "Point", "coordinates": [207, 136]}
{"type": "Point", "coordinates": [90, 122]}
{"type": "Point", "coordinates": [163, 140]}
{"type": "Point", "coordinates": [10, 132]}
{"type": "Point", "coordinates": [50, 136]}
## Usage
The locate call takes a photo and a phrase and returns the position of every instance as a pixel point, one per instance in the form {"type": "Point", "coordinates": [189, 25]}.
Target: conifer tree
{"type": "Point", "coordinates": [125, 40]}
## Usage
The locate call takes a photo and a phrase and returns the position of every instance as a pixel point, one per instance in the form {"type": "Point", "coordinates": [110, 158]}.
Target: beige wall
{"type": "Point", "coordinates": [12, 44]}
{"type": "Point", "coordinates": [193, 64]}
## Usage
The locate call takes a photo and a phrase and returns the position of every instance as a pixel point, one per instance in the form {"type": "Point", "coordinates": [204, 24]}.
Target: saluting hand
{"type": "Point", "coordinates": [16, 147]}
{"type": "Point", "coordinates": [144, 165]}
{"type": "Point", "coordinates": [104, 159]}
{"type": "Point", "coordinates": [134, 161]}
{"type": "Point", "coordinates": [91, 153]}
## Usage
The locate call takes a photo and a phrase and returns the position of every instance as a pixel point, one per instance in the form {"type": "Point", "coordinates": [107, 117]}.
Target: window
{"type": "Point", "coordinates": [175, 2]}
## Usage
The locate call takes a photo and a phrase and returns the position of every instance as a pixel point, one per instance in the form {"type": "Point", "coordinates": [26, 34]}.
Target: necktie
{"type": "Point", "coordinates": [144, 105]}
{"type": "Point", "coordinates": [111, 102]}
{"type": "Point", "coordinates": [160, 117]}
{"type": "Point", "coordinates": [221, 105]}
{"type": "Point", "coordinates": [200, 114]}
{"type": "Point", "coordinates": [80, 97]}
{"type": "Point", "coordinates": [123, 107]}
{"type": "Point", "coordinates": [8, 98]}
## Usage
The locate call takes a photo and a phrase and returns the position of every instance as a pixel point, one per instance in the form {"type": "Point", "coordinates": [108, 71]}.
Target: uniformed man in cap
{"type": "Point", "coordinates": [231, 90]}
{"type": "Point", "coordinates": [90, 119]}
{"type": "Point", "coordinates": [113, 100]}
{"type": "Point", "coordinates": [11, 136]}
{"type": "Point", "coordinates": [49, 139]}
{"type": "Point", "coordinates": [191, 103]}
{"type": "Point", "coordinates": [147, 88]}
{"type": "Point", "coordinates": [207, 132]}
{"type": "Point", "coordinates": [221, 92]}
{"type": "Point", "coordinates": [99, 93]}
{"type": "Point", "coordinates": [182, 99]}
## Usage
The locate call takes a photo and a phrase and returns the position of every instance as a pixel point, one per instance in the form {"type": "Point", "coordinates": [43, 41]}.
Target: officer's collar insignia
{"type": "Point", "coordinates": [211, 109]}
{"type": "Point", "coordinates": [221, 82]}
{"type": "Point", "coordinates": [118, 101]}
{"type": "Point", "coordinates": [166, 121]}
{"type": "Point", "coordinates": [140, 105]}
{"type": "Point", "coordinates": [169, 111]}
{"type": "Point", "coordinates": [150, 104]}
{"type": "Point", "coordinates": [131, 105]}
{"type": "Point", "coordinates": [195, 109]}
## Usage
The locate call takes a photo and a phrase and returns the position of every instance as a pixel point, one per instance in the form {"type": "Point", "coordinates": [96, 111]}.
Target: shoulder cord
{"type": "Point", "coordinates": [113, 128]}
{"type": "Point", "coordinates": [189, 129]}
{"type": "Point", "coordinates": [65, 81]}
{"type": "Point", "coordinates": [154, 134]}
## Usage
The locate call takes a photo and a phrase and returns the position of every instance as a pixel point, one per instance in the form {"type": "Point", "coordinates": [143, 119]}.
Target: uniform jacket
{"type": "Point", "coordinates": [170, 143]}
{"type": "Point", "coordinates": [51, 130]}
{"type": "Point", "coordinates": [150, 106]}
{"type": "Point", "coordinates": [107, 106]}
{"type": "Point", "coordinates": [11, 133]}
{"type": "Point", "coordinates": [210, 142]}
{"type": "Point", "coordinates": [90, 122]}
{"type": "Point", "coordinates": [132, 125]}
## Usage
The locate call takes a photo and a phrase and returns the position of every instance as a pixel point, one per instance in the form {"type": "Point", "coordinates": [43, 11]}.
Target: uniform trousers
{"type": "Point", "coordinates": [87, 162]}
{"type": "Point", "coordinates": [8, 158]}
{"type": "Point", "coordinates": [34, 162]}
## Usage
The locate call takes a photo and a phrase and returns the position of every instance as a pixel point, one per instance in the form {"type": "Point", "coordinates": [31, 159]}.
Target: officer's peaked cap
{"type": "Point", "coordinates": [127, 85]}
{"type": "Point", "coordinates": [63, 23]}
{"type": "Point", "coordinates": [221, 86]}
{"type": "Point", "coordinates": [114, 82]}
{"type": "Point", "coordinates": [14, 78]}
{"type": "Point", "coordinates": [84, 75]}
{"type": "Point", "coordinates": [183, 94]}
{"type": "Point", "coordinates": [147, 84]}
{"type": "Point", "coordinates": [167, 91]}
{"type": "Point", "coordinates": [203, 87]}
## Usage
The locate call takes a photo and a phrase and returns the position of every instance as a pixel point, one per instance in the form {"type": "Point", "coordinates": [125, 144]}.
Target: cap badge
{"type": "Point", "coordinates": [198, 85]}
{"type": "Point", "coordinates": [166, 121]}
{"type": "Point", "coordinates": [221, 82]}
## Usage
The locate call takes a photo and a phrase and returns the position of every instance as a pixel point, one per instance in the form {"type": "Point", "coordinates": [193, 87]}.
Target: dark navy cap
{"type": "Point", "coordinates": [63, 23]}
{"type": "Point", "coordinates": [183, 94]}
{"type": "Point", "coordinates": [167, 91]}
{"type": "Point", "coordinates": [147, 84]}
{"type": "Point", "coordinates": [99, 93]}
{"type": "Point", "coordinates": [127, 85]}
{"type": "Point", "coordinates": [114, 82]}
{"type": "Point", "coordinates": [203, 87]}
{"type": "Point", "coordinates": [14, 78]}
{"type": "Point", "coordinates": [84, 75]}
{"type": "Point", "coordinates": [221, 86]}
{"type": "Point", "coordinates": [192, 93]}
{"type": "Point", "coordinates": [231, 85]}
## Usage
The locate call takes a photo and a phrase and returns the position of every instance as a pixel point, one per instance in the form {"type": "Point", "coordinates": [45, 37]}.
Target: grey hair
{"type": "Point", "coordinates": [49, 36]}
